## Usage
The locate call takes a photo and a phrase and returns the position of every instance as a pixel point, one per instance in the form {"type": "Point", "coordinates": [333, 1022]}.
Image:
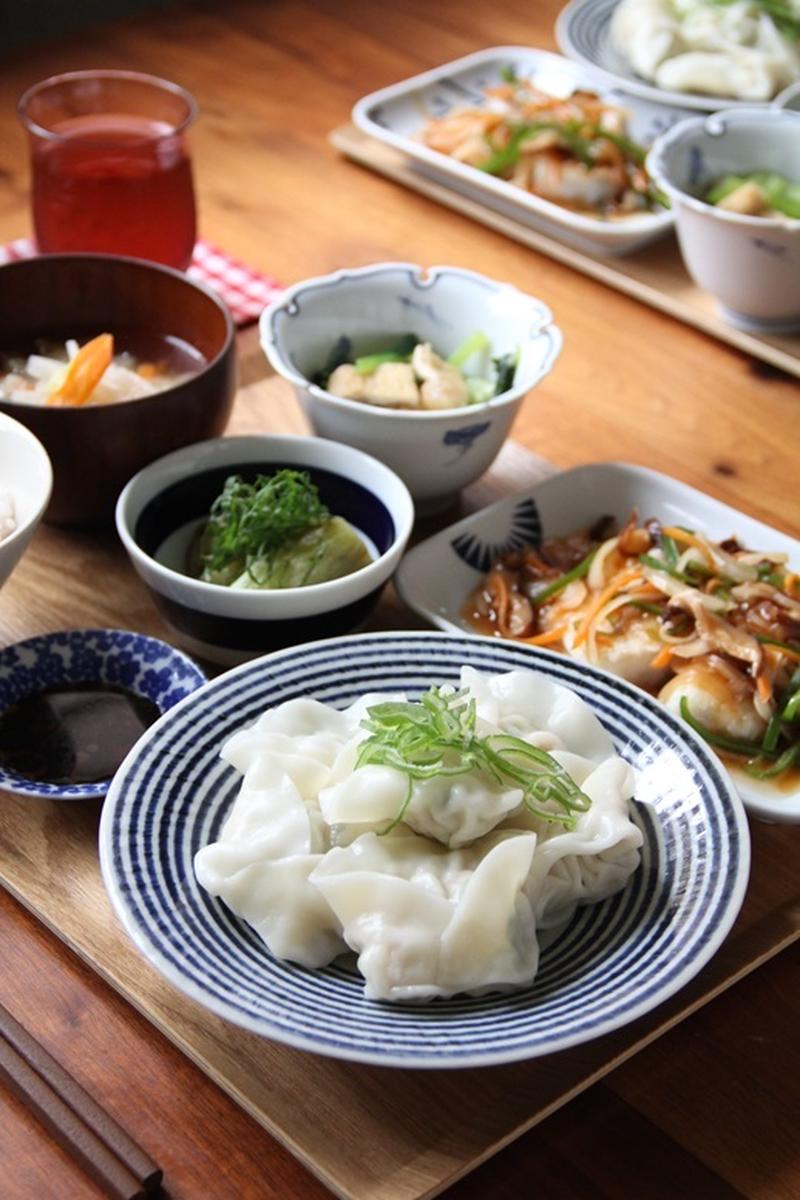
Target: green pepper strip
{"type": "Point", "coordinates": [772, 733]}
{"type": "Point", "coordinates": [786, 760]}
{"type": "Point", "coordinates": [559, 584]}
{"type": "Point", "coordinates": [670, 548]}
{"type": "Point", "coordinates": [646, 606]}
{"type": "Point", "coordinates": [657, 565]}
{"type": "Point", "coordinates": [792, 709]}
{"type": "Point", "coordinates": [771, 641]}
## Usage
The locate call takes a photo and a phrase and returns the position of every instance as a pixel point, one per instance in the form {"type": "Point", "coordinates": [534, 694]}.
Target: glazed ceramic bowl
{"type": "Point", "coordinates": [435, 453]}
{"type": "Point", "coordinates": [26, 479]}
{"type": "Point", "coordinates": [113, 658]}
{"type": "Point", "coordinates": [161, 508]}
{"type": "Point", "coordinates": [751, 265]}
{"type": "Point", "coordinates": [95, 449]}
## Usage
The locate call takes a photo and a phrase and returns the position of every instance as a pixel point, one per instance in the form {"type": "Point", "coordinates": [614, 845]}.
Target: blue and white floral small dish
{"type": "Point", "coordinates": [436, 454]}
{"type": "Point", "coordinates": [612, 963]}
{"type": "Point", "coordinates": [142, 665]}
{"type": "Point", "coordinates": [751, 265]}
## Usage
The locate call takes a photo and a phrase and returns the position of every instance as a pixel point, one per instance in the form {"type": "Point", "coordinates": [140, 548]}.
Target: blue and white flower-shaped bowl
{"type": "Point", "coordinates": [142, 665]}
{"type": "Point", "coordinates": [435, 453]}
{"type": "Point", "coordinates": [614, 962]}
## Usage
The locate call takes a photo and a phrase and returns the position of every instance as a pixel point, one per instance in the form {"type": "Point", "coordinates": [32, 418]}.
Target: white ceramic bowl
{"type": "Point", "coordinates": [751, 265]}
{"type": "Point", "coordinates": [435, 453]}
{"type": "Point", "coordinates": [160, 508]}
{"type": "Point", "coordinates": [26, 474]}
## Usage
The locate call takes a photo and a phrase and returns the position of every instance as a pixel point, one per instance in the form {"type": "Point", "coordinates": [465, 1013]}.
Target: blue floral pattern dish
{"type": "Point", "coordinates": [143, 665]}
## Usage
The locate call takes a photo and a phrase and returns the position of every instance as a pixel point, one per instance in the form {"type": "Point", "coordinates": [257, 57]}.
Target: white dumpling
{"type": "Point", "coordinates": [413, 943]}
{"type": "Point", "coordinates": [645, 32]}
{"type": "Point", "coordinates": [744, 74]}
{"type": "Point", "coordinates": [593, 860]}
{"type": "Point", "coordinates": [520, 702]}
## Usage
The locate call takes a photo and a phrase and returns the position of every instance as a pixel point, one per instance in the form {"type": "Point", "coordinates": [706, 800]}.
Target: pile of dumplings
{"type": "Point", "coordinates": [453, 897]}
{"type": "Point", "coordinates": [727, 50]}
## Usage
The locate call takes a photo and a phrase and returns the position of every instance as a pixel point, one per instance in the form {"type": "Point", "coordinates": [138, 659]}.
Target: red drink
{"type": "Point", "coordinates": [111, 172]}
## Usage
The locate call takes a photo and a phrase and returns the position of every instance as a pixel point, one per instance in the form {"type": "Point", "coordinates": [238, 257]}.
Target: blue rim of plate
{"type": "Point", "coordinates": [613, 963]}
{"type": "Point", "coordinates": [144, 665]}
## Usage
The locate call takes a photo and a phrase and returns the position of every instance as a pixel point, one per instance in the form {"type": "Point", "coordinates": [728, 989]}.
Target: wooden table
{"type": "Point", "coordinates": [707, 1111]}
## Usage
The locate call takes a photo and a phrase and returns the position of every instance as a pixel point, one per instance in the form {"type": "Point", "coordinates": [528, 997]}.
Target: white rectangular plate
{"type": "Point", "coordinates": [437, 576]}
{"type": "Point", "coordinates": [395, 115]}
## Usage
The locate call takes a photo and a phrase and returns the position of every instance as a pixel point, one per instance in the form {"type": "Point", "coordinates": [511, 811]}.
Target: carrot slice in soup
{"type": "Point", "coordinates": [84, 372]}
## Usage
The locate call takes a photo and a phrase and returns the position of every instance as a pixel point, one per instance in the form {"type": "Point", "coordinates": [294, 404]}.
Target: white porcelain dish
{"type": "Point", "coordinates": [437, 576]}
{"type": "Point", "coordinates": [395, 115]}
{"type": "Point", "coordinates": [612, 963]}
{"type": "Point", "coordinates": [26, 480]}
{"type": "Point", "coordinates": [583, 32]}
{"type": "Point", "coordinates": [751, 265]}
{"type": "Point", "coordinates": [435, 453]}
{"type": "Point", "coordinates": [160, 509]}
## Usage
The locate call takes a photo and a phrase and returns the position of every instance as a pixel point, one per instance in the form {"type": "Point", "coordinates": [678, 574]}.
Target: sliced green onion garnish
{"type": "Point", "coordinates": [559, 584]}
{"type": "Point", "coordinates": [437, 737]}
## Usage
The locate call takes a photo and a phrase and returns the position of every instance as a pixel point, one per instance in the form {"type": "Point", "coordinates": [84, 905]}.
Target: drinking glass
{"type": "Point", "coordinates": [110, 165]}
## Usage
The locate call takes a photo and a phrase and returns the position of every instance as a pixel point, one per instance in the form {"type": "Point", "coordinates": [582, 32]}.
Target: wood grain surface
{"type": "Point", "coordinates": [709, 1109]}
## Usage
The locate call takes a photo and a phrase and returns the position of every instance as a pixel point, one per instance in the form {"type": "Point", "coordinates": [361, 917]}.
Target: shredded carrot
{"type": "Point", "coordinates": [764, 687]}
{"type": "Point", "coordinates": [546, 639]}
{"type": "Point", "coordinates": [662, 659]}
{"type": "Point", "coordinates": [791, 585]}
{"type": "Point", "coordinates": [84, 372]}
{"type": "Point", "coordinates": [147, 370]}
{"type": "Point", "coordinates": [617, 584]}
{"type": "Point", "coordinates": [680, 535]}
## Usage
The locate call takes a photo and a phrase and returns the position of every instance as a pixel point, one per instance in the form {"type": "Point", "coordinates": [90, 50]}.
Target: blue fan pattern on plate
{"type": "Point", "coordinates": [614, 961]}
{"type": "Point", "coordinates": [526, 530]}
{"type": "Point", "coordinates": [143, 665]}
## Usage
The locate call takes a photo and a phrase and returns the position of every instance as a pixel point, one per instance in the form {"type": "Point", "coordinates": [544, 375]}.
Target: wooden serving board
{"type": "Point", "coordinates": [654, 275]}
{"type": "Point", "coordinates": [368, 1133]}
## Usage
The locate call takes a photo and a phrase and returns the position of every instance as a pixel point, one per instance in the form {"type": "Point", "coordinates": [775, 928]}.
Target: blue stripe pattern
{"type": "Point", "coordinates": [614, 962]}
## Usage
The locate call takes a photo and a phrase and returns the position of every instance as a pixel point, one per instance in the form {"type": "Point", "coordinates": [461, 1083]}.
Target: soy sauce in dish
{"type": "Point", "coordinates": [73, 733]}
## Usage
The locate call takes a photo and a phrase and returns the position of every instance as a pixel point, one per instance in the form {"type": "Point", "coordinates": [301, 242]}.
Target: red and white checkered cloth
{"type": "Point", "coordinates": [245, 291]}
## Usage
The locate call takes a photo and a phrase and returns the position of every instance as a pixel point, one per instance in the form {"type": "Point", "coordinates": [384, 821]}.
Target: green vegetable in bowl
{"type": "Point", "coordinates": [409, 373]}
{"type": "Point", "coordinates": [756, 194]}
{"type": "Point", "coordinates": [274, 533]}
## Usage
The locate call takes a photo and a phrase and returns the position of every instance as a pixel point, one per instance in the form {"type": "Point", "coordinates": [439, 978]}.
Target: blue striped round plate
{"type": "Point", "coordinates": [612, 963]}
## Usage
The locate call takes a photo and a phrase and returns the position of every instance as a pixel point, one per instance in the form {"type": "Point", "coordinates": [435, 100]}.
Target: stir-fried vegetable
{"type": "Point", "coordinates": [438, 737]}
{"type": "Point", "coordinates": [572, 150]}
{"type": "Point", "coordinates": [712, 628]}
{"type": "Point", "coordinates": [756, 194]}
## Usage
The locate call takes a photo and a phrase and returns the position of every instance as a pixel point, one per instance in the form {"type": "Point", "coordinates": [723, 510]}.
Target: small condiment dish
{"type": "Point", "coordinates": [111, 659]}
{"type": "Point", "coordinates": [435, 453]}
{"type": "Point", "coordinates": [750, 264]}
{"type": "Point", "coordinates": [26, 480]}
{"type": "Point", "coordinates": [161, 508]}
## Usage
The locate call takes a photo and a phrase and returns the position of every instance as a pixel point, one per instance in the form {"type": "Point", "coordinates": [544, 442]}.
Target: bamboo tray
{"type": "Point", "coordinates": [654, 275]}
{"type": "Point", "coordinates": [368, 1133]}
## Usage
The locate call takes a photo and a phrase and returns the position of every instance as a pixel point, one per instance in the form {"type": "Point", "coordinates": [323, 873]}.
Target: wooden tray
{"type": "Point", "coordinates": [655, 275]}
{"type": "Point", "coordinates": [368, 1133]}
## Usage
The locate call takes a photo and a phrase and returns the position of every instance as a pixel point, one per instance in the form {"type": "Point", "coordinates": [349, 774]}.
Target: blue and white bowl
{"type": "Point", "coordinates": [435, 453]}
{"type": "Point", "coordinates": [142, 665]}
{"type": "Point", "coordinates": [613, 963]}
{"type": "Point", "coordinates": [160, 509]}
{"type": "Point", "coordinates": [751, 265]}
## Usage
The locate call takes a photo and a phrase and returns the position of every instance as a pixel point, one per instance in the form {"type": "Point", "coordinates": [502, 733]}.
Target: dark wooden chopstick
{"type": "Point", "coordinates": [91, 1135]}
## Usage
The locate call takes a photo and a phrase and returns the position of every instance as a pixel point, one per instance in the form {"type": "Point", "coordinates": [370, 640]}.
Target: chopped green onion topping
{"type": "Point", "coordinates": [437, 737]}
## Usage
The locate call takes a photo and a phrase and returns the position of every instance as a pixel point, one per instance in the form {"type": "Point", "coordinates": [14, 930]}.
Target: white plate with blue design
{"type": "Point", "coordinates": [583, 32]}
{"type": "Point", "coordinates": [437, 576]}
{"type": "Point", "coordinates": [395, 115]}
{"type": "Point", "coordinates": [614, 962]}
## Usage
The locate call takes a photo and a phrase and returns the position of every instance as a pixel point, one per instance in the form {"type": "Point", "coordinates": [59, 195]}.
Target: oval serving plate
{"type": "Point", "coordinates": [614, 961]}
